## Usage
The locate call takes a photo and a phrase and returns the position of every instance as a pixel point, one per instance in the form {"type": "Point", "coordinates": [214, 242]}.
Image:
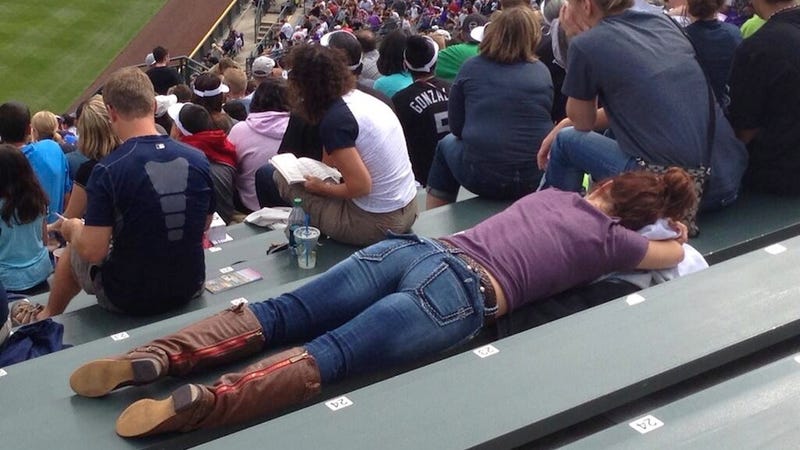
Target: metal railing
{"type": "Point", "coordinates": [287, 10]}
{"type": "Point", "coordinates": [223, 24]}
{"type": "Point", "coordinates": [187, 67]}
{"type": "Point", "coordinates": [259, 14]}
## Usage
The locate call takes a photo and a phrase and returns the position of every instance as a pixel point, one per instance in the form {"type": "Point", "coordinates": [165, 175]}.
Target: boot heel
{"type": "Point", "coordinates": [179, 412]}
{"type": "Point", "coordinates": [145, 370]}
{"type": "Point", "coordinates": [185, 397]}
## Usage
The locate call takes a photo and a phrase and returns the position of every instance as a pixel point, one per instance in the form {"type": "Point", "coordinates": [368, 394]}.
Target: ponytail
{"type": "Point", "coordinates": [680, 193]}
{"type": "Point", "coordinates": [639, 198]}
{"type": "Point", "coordinates": [44, 125]}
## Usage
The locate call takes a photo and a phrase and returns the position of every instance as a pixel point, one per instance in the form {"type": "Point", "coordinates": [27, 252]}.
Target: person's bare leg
{"type": "Point", "coordinates": [431, 201]}
{"type": "Point", "coordinates": [65, 287]}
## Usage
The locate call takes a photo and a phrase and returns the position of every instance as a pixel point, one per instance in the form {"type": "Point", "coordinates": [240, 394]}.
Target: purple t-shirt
{"type": "Point", "coordinates": [548, 242]}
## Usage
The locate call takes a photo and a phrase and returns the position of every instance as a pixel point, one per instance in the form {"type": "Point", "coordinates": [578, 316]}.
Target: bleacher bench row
{"type": "Point", "coordinates": [520, 389]}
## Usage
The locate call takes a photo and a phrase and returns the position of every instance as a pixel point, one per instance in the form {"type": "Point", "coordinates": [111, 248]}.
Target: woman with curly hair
{"type": "Point", "coordinates": [396, 302]}
{"type": "Point", "coordinates": [24, 261]}
{"type": "Point", "coordinates": [361, 137]}
{"type": "Point", "coordinates": [97, 140]}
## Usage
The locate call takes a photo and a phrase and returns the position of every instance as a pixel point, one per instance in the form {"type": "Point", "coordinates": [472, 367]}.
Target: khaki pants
{"type": "Point", "coordinates": [345, 222]}
{"type": "Point", "coordinates": [88, 276]}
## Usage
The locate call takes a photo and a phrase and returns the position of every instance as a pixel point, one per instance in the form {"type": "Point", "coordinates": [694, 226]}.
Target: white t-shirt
{"type": "Point", "coordinates": [362, 121]}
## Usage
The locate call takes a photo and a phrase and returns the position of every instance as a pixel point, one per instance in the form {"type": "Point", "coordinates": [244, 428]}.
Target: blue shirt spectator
{"type": "Point", "coordinates": [715, 43]}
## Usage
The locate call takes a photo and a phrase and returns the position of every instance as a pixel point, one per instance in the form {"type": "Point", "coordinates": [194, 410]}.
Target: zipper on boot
{"type": "Point", "coordinates": [261, 373]}
{"type": "Point", "coordinates": [220, 348]}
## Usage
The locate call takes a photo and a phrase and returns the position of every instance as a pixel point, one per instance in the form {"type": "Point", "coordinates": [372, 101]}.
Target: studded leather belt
{"type": "Point", "coordinates": [486, 286]}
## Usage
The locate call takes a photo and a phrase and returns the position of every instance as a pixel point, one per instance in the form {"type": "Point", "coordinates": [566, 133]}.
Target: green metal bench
{"type": "Point", "coordinates": [422, 405]}
{"type": "Point", "coordinates": [757, 409]}
{"type": "Point", "coordinates": [754, 221]}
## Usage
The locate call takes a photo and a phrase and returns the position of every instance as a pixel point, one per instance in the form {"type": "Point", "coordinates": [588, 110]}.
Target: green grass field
{"type": "Point", "coordinates": [51, 51]}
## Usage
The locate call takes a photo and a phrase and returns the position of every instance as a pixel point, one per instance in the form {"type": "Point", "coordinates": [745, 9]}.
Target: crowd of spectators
{"type": "Point", "coordinates": [501, 98]}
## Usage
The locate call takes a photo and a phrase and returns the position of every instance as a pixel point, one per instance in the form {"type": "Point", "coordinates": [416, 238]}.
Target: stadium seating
{"type": "Point", "coordinates": [754, 221]}
{"type": "Point", "coordinates": [758, 220]}
{"type": "Point", "coordinates": [542, 380]}
{"type": "Point", "coordinates": [753, 410]}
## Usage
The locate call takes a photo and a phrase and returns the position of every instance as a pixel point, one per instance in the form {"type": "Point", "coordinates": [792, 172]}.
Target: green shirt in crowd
{"type": "Point", "coordinates": [752, 25]}
{"type": "Point", "coordinates": [451, 59]}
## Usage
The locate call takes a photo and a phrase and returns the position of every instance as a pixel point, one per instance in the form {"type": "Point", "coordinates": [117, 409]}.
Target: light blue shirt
{"type": "Point", "coordinates": [24, 261]}
{"type": "Point", "coordinates": [394, 83]}
{"type": "Point", "coordinates": [52, 170]}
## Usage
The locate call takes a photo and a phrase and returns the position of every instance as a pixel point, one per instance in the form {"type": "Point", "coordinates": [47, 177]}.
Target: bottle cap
{"type": "Point", "coordinates": [298, 201]}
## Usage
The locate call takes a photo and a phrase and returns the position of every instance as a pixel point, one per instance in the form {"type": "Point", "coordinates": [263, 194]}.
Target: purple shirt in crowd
{"type": "Point", "coordinates": [548, 242]}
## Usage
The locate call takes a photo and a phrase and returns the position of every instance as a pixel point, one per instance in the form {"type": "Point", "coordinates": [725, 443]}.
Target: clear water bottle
{"type": "Point", "coordinates": [297, 218]}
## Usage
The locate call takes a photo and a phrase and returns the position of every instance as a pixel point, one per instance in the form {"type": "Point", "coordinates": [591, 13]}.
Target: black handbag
{"type": "Point", "coordinates": [700, 175]}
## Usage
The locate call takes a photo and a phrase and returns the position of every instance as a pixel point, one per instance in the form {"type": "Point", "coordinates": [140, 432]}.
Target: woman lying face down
{"type": "Point", "coordinates": [400, 300]}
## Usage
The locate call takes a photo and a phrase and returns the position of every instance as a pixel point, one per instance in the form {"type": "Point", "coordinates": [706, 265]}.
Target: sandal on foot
{"type": "Point", "coordinates": [23, 312]}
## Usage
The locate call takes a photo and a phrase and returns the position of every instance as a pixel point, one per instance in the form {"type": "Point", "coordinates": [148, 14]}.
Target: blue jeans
{"type": "Point", "coordinates": [574, 153]}
{"type": "Point", "coordinates": [394, 302]}
{"type": "Point", "coordinates": [450, 170]}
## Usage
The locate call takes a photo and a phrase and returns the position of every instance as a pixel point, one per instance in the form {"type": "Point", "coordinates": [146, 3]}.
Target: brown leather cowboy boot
{"type": "Point", "coordinates": [283, 379]}
{"type": "Point", "coordinates": [226, 336]}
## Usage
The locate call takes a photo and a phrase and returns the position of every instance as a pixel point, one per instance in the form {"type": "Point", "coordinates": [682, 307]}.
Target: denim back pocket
{"type": "Point", "coordinates": [380, 251]}
{"type": "Point", "coordinates": [448, 294]}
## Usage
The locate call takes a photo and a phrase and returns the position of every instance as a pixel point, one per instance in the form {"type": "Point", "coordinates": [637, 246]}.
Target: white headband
{"type": "Point", "coordinates": [325, 41]}
{"type": "Point", "coordinates": [221, 89]}
{"type": "Point", "coordinates": [174, 112]}
{"type": "Point", "coordinates": [426, 67]}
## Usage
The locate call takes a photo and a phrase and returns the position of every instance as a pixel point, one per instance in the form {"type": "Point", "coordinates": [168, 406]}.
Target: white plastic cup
{"type": "Point", "coordinates": [307, 260]}
{"type": "Point", "coordinates": [58, 253]}
{"type": "Point", "coordinates": [306, 239]}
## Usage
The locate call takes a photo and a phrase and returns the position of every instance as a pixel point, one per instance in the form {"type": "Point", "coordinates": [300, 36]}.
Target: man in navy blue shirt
{"type": "Point", "coordinates": [148, 204]}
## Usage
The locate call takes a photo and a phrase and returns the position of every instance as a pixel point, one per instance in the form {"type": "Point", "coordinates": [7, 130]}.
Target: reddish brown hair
{"type": "Point", "coordinates": [639, 198]}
